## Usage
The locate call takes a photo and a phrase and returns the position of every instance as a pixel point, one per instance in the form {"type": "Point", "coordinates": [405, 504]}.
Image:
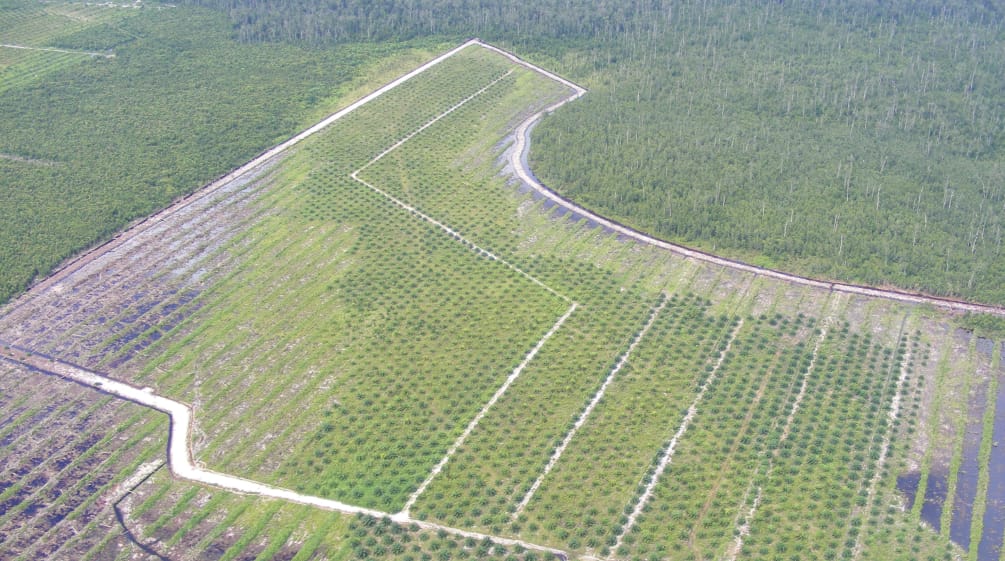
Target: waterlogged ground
{"type": "Point", "coordinates": [340, 317]}
{"type": "Point", "coordinates": [965, 464]}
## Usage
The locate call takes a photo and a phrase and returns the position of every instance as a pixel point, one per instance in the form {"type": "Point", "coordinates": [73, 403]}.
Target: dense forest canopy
{"type": "Point", "coordinates": [860, 141]}
{"type": "Point", "coordinates": [518, 21]}
{"type": "Point", "coordinates": [860, 147]}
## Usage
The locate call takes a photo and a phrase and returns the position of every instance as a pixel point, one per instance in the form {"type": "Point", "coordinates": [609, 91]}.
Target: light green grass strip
{"type": "Point", "coordinates": [941, 373]}
{"type": "Point", "coordinates": [984, 456]}
{"type": "Point", "coordinates": [945, 521]}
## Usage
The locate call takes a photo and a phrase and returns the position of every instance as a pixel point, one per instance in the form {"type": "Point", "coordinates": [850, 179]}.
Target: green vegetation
{"type": "Point", "coordinates": [373, 538]}
{"type": "Point", "coordinates": [408, 353]}
{"type": "Point", "coordinates": [874, 155]}
{"type": "Point", "coordinates": [497, 466]}
{"type": "Point", "coordinates": [555, 22]}
{"type": "Point", "coordinates": [377, 336]}
{"type": "Point", "coordinates": [30, 31]}
{"type": "Point", "coordinates": [984, 325]}
{"type": "Point", "coordinates": [854, 141]}
{"type": "Point", "coordinates": [88, 143]}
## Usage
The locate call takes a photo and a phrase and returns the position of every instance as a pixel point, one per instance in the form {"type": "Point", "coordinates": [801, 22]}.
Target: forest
{"type": "Point", "coordinates": [859, 141]}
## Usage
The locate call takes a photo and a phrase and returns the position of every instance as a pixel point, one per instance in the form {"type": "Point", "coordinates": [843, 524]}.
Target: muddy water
{"type": "Point", "coordinates": [935, 495]}
{"type": "Point", "coordinates": [990, 545]}
{"type": "Point", "coordinates": [908, 485]}
{"type": "Point", "coordinates": [966, 481]}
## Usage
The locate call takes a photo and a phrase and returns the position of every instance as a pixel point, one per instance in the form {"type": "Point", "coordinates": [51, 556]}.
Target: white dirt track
{"type": "Point", "coordinates": [55, 50]}
{"type": "Point", "coordinates": [180, 454]}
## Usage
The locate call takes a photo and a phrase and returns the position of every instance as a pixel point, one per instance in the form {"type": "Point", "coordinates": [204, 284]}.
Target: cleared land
{"type": "Point", "coordinates": [377, 318]}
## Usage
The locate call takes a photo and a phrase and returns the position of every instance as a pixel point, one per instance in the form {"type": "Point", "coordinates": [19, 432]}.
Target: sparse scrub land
{"type": "Point", "coordinates": [340, 317]}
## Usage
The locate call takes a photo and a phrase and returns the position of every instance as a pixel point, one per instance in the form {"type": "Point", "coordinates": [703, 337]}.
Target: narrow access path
{"type": "Point", "coordinates": [55, 50]}
{"type": "Point", "coordinates": [892, 414]}
{"type": "Point", "coordinates": [441, 225]}
{"type": "Point", "coordinates": [26, 160]}
{"type": "Point", "coordinates": [557, 455]}
{"type": "Point", "coordinates": [432, 122]}
{"type": "Point", "coordinates": [824, 328]}
{"type": "Point", "coordinates": [180, 455]}
{"type": "Point", "coordinates": [744, 529]}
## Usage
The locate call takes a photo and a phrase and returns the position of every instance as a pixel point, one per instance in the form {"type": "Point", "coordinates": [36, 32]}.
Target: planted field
{"type": "Point", "coordinates": [377, 317]}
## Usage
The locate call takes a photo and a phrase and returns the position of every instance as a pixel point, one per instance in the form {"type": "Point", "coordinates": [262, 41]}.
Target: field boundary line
{"type": "Point", "coordinates": [743, 530]}
{"type": "Point", "coordinates": [457, 236]}
{"type": "Point", "coordinates": [664, 462]}
{"type": "Point", "coordinates": [180, 456]}
{"type": "Point", "coordinates": [474, 422]}
{"type": "Point", "coordinates": [557, 455]}
{"type": "Point", "coordinates": [824, 328]}
{"type": "Point", "coordinates": [431, 122]}
{"type": "Point", "coordinates": [443, 226]}
{"type": "Point", "coordinates": [55, 50]}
